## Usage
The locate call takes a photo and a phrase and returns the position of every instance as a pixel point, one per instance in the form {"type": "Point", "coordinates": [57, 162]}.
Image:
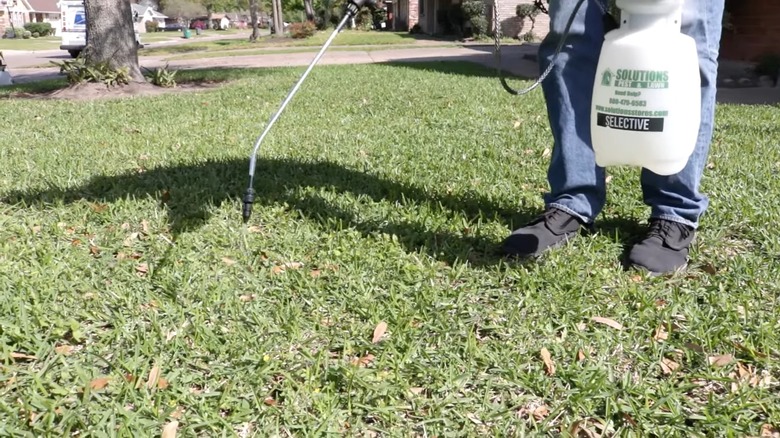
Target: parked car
{"type": "Point", "coordinates": [172, 27]}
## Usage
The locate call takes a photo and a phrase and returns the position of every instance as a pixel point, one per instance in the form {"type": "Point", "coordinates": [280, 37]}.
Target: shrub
{"type": "Point", "coordinates": [151, 26]}
{"type": "Point", "coordinates": [479, 26]}
{"type": "Point", "coordinates": [162, 77]}
{"type": "Point", "coordinates": [473, 8]}
{"type": "Point", "coordinates": [77, 71]}
{"type": "Point", "coordinates": [42, 29]}
{"type": "Point", "coordinates": [474, 11]}
{"type": "Point", "coordinates": [26, 34]}
{"type": "Point", "coordinates": [302, 30]}
{"type": "Point", "coordinates": [416, 29]}
{"type": "Point", "coordinates": [36, 35]}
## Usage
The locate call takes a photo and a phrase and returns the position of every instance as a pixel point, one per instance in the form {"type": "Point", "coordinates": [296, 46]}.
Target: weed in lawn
{"type": "Point", "coordinates": [123, 261]}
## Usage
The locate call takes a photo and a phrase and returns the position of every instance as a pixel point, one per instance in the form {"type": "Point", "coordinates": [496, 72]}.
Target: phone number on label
{"type": "Point", "coordinates": [628, 102]}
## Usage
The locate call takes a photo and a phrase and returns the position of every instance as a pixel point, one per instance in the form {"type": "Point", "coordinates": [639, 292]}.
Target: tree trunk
{"type": "Point", "coordinates": [309, 8]}
{"type": "Point", "coordinates": [278, 19]}
{"type": "Point", "coordinates": [253, 18]}
{"type": "Point", "coordinates": [111, 36]}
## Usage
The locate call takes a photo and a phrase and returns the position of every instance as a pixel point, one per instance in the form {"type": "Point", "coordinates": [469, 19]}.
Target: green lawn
{"type": "Point", "coordinates": [42, 43]}
{"type": "Point", "coordinates": [345, 38]}
{"type": "Point", "coordinates": [133, 296]}
{"type": "Point", "coordinates": [278, 51]}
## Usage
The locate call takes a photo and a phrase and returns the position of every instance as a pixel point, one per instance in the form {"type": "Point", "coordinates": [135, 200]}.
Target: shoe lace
{"type": "Point", "coordinates": [663, 229]}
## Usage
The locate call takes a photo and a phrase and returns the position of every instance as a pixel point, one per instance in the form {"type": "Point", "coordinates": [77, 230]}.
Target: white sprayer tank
{"type": "Point", "coordinates": [647, 96]}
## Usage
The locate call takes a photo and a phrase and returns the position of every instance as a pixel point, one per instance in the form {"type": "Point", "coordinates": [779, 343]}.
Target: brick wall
{"type": "Point", "coordinates": [756, 30]}
{"type": "Point", "coordinates": [511, 25]}
{"type": "Point", "coordinates": [3, 22]}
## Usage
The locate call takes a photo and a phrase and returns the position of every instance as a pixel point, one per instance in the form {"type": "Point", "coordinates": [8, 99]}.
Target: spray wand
{"type": "Point", "coordinates": [352, 8]}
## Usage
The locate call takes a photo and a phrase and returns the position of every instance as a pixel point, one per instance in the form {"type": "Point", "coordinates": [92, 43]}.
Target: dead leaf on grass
{"type": "Point", "coordinates": [580, 356]}
{"type": "Point", "coordinates": [694, 347]}
{"type": "Point", "coordinates": [720, 361]}
{"type": "Point", "coordinates": [142, 269]}
{"type": "Point", "coordinates": [709, 268]}
{"type": "Point", "coordinates": [22, 356]}
{"type": "Point", "coordinates": [541, 413]}
{"type": "Point", "coordinates": [166, 197]}
{"type": "Point", "coordinates": [247, 298]}
{"type": "Point", "coordinates": [130, 239]}
{"type": "Point", "coordinates": [546, 152]}
{"type": "Point", "coordinates": [98, 383]}
{"type": "Point", "coordinates": [669, 366]}
{"type": "Point", "coordinates": [608, 322]}
{"type": "Point", "coordinates": [255, 229]}
{"type": "Point", "coordinates": [630, 420]}
{"type": "Point", "coordinates": [154, 376]}
{"type": "Point", "coordinates": [769, 431]}
{"type": "Point", "coordinates": [64, 349]}
{"type": "Point", "coordinates": [94, 250]}
{"type": "Point", "coordinates": [363, 361]}
{"type": "Point", "coordinates": [379, 331]}
{"type": "Point", "coordinates": [416, 390]}
{"type": "Point", "coordinates": [661, 303]}
{"type": "Point", "coordinates": [170, 429]}
{"type": "Point", "coordinates": [228, 261]}
{"type": "Point", "coordinates": [315, 273]}
{"type": "Point", "coordinates": [278, 269]}
{"type": "Point", "coordinates": [660, 334]}
{"type": "Point", "coordinates": [98, 208]}
{"type": "Point", "coordinates": [269, 401]}
{"type": "Point", "coordinates": [178, 412]}
{"type": "Point", "coordinates": [549, 366]}
{"type": "Point", "coordinates": [608, 179]}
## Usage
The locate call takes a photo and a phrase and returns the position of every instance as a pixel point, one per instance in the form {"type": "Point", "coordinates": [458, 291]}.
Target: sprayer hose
{"type": "Point", "coordinates": [497, 38]}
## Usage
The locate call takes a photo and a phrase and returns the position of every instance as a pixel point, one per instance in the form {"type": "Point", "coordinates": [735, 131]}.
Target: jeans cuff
{"type": "Point", "coordinates": [677, 219]}
{"type": "Point", "coordinates": [570, 211]}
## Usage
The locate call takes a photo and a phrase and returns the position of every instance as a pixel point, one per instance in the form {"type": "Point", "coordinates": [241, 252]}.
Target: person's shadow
{"type": "Point", "coordinates": [189, 192]}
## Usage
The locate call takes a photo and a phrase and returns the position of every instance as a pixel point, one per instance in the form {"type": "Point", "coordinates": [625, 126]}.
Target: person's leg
{"type": "Point", "coordinates": [576, 183]}
{"type": "Point", "coordinates": [577, 187]}
{"type": "Point", "coordinates": [675, 200]}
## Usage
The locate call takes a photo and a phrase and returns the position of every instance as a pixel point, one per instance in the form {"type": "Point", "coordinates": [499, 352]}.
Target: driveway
{"type": "Point", "coordinates": [517, 60]}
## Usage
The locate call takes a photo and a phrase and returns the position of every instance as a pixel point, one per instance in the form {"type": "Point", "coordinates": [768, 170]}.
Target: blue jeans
{"type": "Point", "coordinates": [577, 184]}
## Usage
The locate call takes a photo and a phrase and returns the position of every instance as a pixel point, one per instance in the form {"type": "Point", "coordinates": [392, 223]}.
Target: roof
{"type": "Point", "coordinates": [44, 6]}
{"type": "Point", "coordinates": [141, 10]}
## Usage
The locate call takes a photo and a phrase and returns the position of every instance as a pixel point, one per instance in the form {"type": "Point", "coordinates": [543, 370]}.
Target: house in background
{"type": "Point", "coordinates": [431, 17]}
{"type": "Point", "coordinates": [143, 14]}
{"type": "Point", "coordinates": [46, 11]}
{"type": "Point", "coordinates": [15, 14]}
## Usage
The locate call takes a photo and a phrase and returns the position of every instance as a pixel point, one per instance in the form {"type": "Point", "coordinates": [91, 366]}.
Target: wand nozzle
{"type": "Point", "coordinates": [249, 199]}
{"type": "Point", "coordinates": [352, 8]}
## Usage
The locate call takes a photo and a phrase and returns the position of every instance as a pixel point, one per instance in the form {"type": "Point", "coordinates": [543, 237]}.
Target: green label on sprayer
{"type": "Point", "coordinates": [627, 78]}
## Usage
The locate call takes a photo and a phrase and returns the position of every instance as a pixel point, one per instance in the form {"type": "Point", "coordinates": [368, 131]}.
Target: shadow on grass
{"type": "Point", "coordinates": [189, 192]}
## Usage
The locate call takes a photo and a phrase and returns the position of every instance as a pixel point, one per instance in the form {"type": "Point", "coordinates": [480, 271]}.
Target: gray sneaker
{"type": "Point", "coordinates": [553, 228]}
{"type": "Point", "coordinates": [664, 249]}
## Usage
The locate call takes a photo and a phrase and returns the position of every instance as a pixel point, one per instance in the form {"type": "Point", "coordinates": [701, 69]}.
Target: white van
{"type": "Point", "coordinates": [74, 27]}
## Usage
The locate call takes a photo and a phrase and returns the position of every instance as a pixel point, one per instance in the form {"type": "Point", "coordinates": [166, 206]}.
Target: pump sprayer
{"type": "Point", "coordinates": [646, 98]}
{"type": "Point", "coordinates": [646, 105]}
